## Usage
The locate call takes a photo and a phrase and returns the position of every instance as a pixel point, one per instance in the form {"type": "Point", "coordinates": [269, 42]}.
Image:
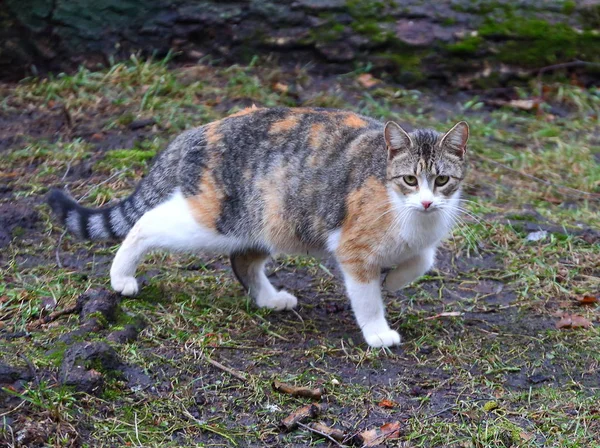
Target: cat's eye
{"type": "Point", "coordinates": [410, 180]}
{"type": "Point", "coordinates": [441, 180]}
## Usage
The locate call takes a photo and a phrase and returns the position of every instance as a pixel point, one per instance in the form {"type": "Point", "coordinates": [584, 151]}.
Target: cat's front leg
{"type": "Point", "coordinates": [409, 270]}
{"type": "Point", "coordinates": [364, 291]}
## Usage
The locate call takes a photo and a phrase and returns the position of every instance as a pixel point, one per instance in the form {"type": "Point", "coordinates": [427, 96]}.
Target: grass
{"type": "Point", "coordinates": [495, 373]}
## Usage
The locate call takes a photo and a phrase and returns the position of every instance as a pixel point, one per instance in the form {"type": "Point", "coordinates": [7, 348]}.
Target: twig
{"type": "Point", "coordinates": [51, 317]}
{"type": "Point", "coordinates": [300, 414]}
{"type": "Point", "coordinates": [236, 373]}
{"type": "Point", "coordinates": [207, 427]}
{"type": "Point", "coordinates": [10, 411]}
{"type": "Point", "coordinates": [295, 391]}
{"type": "Point", "coordinates": [137, 434]}
{"type": "Point", "coordinates": [57, 253]}
{"type": "Point", "coordinates": [101, 183]}
{"type": "Point", "coordinates": [316, 431]}
{"type": "Point", "coordinates": [562, 65]}
{"type": "Point", "coordinates": [68, 169]}
{"type": "Point", "coordinates": [537, 179]}
{"type": "Point", "coordinates": [31, 368]}
{"type": "Point", "coordinates": [440, 412]}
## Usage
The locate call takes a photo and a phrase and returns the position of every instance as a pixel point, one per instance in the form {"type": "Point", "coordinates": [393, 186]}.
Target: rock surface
{"type": "Point", "coordinates": [415, 41]}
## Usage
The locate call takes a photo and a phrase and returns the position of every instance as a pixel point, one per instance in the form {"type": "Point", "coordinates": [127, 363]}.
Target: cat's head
{"type": "Point", "coordinates": [425, 167]}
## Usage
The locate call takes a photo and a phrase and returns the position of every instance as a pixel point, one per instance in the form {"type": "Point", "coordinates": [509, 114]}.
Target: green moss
{"type": "Point", "coordinates": [128, 158]}
{"type": "Point", "coordinates": [99, 317]}
{"type": "Point", "coordinates": [56, 355]}
{"type": "Point", "coordinates": [569, 6]}
{"type": "Point", "coordinates": [466, 46]}
{"type": "Point", "coordinates": [408, 63]}
{"type": "Point", "coordinates": [365, 8]}
{"type": "Point", "coordinates": [535, 42]}
{"type": "Point", "coordinates": [373, 30]}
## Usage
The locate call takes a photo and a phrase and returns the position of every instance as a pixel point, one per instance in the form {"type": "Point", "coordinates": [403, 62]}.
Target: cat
{"type": "Point", "coordinates": [292, 180]}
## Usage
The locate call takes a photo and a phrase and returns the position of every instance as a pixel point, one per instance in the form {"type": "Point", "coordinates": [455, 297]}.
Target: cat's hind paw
{"type": "Point", "coordinates": [283, 300]}
{"type": "Point", "coordinates": [387, 338]}
{"type": "Point", "coordinates": [127, 286]}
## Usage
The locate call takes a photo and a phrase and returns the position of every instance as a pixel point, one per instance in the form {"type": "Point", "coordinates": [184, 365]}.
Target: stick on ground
{"type": "Point", "coordinates": [301, 414]}
{"type": "Point", "coordinates": [295, 391]}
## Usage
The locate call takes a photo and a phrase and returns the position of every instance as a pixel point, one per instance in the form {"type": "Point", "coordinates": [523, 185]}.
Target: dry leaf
{"type": "Point", "coordinates": [525, 436]}
{"type": "Point", "coordinates": [587, 300]}
{"type": "Point", "coordinates": [387, 404]}
{"type": "Point", "coordinates": [297, 391]}
{"type": "Point", "coordinates": [367, 81]}
{"type": "Point", "coordinates": [377, 436]}
{"type": "Point", "coordinates": [573, 321]}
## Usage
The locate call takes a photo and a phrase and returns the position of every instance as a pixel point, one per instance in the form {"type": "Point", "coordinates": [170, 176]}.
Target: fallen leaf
{"type": "Point", "coordinates": [296, 391]}
{"type": "Point", "coordinates": [573, 321]}
{"type": "Point", "coordinates": [367, 80]}
{"type": "Point", "coordinates": [587, 300]}
{"type": "Point", "coordinates": [525, 436]}
{"type": "Point", "coordinates": [387, 404]}
{"type": "Point", "coordinates": [377, 436]}
{"type": "Point", "coordinates": [445, 314]}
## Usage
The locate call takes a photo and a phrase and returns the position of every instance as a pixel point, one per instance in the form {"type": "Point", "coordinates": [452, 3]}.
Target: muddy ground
{"type": "Point", "coordinates": [482, 361]}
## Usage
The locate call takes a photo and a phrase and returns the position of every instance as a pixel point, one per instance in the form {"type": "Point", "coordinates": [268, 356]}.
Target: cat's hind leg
{"type": "Point", "coordinates": [249, 268]}
{"type": "Point", "coordinates": [169, 226]}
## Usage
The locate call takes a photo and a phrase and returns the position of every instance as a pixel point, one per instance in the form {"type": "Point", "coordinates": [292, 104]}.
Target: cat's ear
{"type": "Point", "coordinates": [396, 139]}
{"type": "Point", "coordinates": [455, 140]}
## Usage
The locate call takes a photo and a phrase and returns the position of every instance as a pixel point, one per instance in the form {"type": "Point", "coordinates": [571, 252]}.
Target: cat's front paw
{"type": "Point", "coordinates": [283, 300]}
{"type": "Point", "coordinates": [127, 286]}
{"type": "Point", "coordinates": [386, 338]}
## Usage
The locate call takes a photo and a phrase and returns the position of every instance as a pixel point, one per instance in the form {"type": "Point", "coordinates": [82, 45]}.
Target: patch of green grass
{"type": "Point", "coordinates": [481, 363]}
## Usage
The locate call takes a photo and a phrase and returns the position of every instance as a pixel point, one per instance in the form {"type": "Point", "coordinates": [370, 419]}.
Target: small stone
{"type": "Point", "coordinates": [82, 362]}
{"type": "Point", "coordinates": [98, 301]}
{"type": "Point", "coordinates": [142, 123]}
{"type": "Point", "coordinates": [10, 374]}
{"type": "Point", "coordinates": [537, 236]}
{"type": "Point", "coordinates": [127, 334]}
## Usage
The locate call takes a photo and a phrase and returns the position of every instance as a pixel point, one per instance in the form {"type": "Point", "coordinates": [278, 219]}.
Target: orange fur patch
{"type": "Point", "coordinates": [317, 136]}
{"type": "Point", "coordinates": [276, 229]}
{"type": "Point", "coordinates": [285, 125]}
{"type": "Point", "coordinates": [246, 111]}
{"type": "Point", "coordinates": [364, 228]}
{"type": "Point", "coordinates": [206, 205]}
{"type": "Point", "coordinates": [211, 131]}
{"type": "Point", "coordinates": [354, 121]}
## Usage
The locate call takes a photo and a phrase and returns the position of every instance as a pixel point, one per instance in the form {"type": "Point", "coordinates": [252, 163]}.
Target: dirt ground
{"type": "Point", "coordinates": [190, 361]}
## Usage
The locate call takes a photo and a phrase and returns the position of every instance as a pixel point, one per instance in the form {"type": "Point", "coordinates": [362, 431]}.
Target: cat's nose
{"type": "Point", "coordinates": [426, 204]}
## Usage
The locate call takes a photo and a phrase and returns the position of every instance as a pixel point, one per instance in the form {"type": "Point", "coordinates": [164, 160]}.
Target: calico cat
{"type": "Point", "coordinates": [305, 181]}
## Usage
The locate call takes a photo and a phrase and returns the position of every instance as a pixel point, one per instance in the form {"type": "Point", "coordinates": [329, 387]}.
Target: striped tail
{"type": "Point", "coordinates": [105, 223]}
